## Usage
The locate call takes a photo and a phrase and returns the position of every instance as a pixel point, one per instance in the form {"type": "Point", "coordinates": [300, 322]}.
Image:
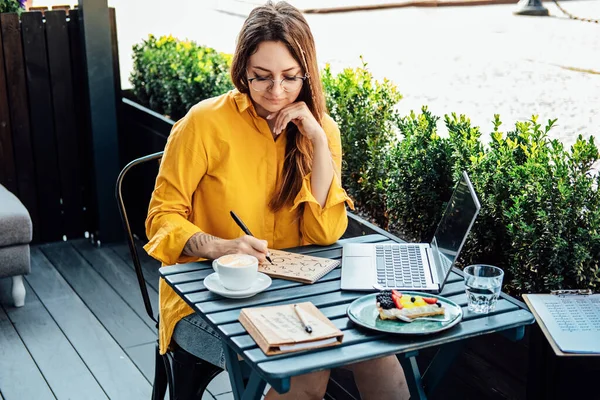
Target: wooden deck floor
{"type": "Point", "coordinates": [83, 332]}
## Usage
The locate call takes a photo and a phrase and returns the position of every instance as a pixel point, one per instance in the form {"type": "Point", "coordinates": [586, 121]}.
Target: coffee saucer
{"type": "Point", "coordinates": [213, 284]}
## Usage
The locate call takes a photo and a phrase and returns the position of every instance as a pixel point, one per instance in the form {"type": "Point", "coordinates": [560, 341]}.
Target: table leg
{"type": "Point", "coordinates": [413, 376]}
{"type": "Point", "coordinates": [514, 334]}
{"type": "Point", "coordinates": [439, 365]}
{"type": "Point", "coordinates": [256, 384]}
{"type": "Point", "coordinates": [254, 389]}
{"type": "Point", "coordinates": [234, 371]}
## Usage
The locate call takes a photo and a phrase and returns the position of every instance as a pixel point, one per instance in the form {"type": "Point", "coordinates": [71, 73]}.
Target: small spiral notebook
{"type": "Point", "coordinates": [297, 267]}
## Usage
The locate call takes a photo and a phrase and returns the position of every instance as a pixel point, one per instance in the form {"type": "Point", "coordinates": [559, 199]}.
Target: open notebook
{"type": "Point", "coordinates": [278, 329]}
{"type": "Point", "coordinates": [571, 322]}
{"type": "Point", "coordinates": [297, 267]}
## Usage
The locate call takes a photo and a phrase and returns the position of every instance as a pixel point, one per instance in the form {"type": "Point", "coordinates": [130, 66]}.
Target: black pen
{"type": "Point", "coordinates": [243, 227]}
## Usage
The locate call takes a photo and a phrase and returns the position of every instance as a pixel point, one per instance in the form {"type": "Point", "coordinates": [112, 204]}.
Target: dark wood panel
{"type": "Point", "coordinates": [120, 277]}
{"type": "Point", "coordinates": [95, 35]}
{"type": "Point", "coordinates": [42, 126]}
{"type": "Point", "coordinates": [80, 98]}
{"type": "Point", "coordinates": [114, 45]}
{"type": "Point", "coordinates": [19, 112]}
{"type": "Point", "coordinates": [22, 379]}
{"type": "Point", "coordinates": [111, 366]}
{"type": "Point", "coordinates": [59, 60]}
{"type": "Point", "coordinates": [120, 320]}
{"type": "Point", "coordinates": [54, 355]}
{"type": "Point", "coordinates": [8, 177]}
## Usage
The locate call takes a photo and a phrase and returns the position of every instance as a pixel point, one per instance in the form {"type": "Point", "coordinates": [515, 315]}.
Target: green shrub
{"type": "Point", "coordinates": [540, 214]}
{"type": "Point", "coordinates": [419, 170]}
{"type": "Point", "coordinates": [364, 111]}
{"type": "Point", "coordinates": [170, 76]}
{"type": "Point", "coordinates": [542, 202]}
{"type": "Point", "coordinates": [7, 6]}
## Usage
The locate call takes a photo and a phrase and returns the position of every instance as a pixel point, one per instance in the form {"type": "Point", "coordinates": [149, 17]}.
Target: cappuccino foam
{"type": "Point", "coordinates": [236, 260]}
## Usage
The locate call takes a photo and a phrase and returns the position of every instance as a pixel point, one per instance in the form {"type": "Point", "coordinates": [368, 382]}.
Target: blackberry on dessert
{"type": "Point", "coordinates": [391, 304]}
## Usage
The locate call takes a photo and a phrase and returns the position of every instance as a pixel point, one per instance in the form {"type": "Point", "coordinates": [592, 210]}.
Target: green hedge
{"type": "Point", "coordinates": [540, 216]}
{"type": "Point", "coordinates": [171, 75]}
{"type": "Point", "coordinates": [12, 6]}
{"type": "Point", "coordinates": [365, 113]}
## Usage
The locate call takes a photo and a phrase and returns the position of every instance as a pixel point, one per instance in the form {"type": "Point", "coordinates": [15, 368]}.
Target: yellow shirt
{"type": "Point", "coordinates": [222, 156]}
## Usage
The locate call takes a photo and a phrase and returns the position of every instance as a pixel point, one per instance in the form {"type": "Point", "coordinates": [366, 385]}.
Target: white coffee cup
{"type": "Point", "coordinates": [236, 271]}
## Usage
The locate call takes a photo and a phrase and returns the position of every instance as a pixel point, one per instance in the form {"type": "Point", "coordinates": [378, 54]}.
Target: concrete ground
{"type": "Point", "coordinates": [478, 60]}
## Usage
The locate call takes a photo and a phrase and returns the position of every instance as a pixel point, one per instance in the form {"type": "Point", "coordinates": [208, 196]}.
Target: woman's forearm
{"type": "Point", "coordinates": [202, 245]}
{"type": "Point", "coordinates": [322, 170]}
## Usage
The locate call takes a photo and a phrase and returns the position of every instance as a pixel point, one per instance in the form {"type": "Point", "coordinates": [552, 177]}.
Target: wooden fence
{"type": "Point", "coordinates": [45, 141]}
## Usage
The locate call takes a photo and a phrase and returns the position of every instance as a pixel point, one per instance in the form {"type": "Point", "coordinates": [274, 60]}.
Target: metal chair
{"type": "Point", "coordinates": [185, 375]}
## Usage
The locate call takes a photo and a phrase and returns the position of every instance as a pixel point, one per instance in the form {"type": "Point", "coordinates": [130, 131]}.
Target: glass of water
{"type": "Point", "coordinates": [482, 284]}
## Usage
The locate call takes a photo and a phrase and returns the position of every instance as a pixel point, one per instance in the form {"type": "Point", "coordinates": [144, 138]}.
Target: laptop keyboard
{"type": "Point", "coordinates": [400, 266]}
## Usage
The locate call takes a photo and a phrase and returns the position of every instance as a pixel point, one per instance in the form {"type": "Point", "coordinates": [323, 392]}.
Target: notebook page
{"type": "Point", "coordinates": [573, 321]}
{"type": "Point", "coordinates": [280, 323]}
{"type": "Point", "coordinates": [297, 266]}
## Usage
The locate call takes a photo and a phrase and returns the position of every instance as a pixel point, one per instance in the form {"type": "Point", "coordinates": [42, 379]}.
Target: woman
{"type": "Point", "coordinates": [269, 152]}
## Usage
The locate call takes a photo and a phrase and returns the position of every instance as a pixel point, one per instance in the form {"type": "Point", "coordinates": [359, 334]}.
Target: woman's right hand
{"type": "Point", "coordinates": [245, 245]}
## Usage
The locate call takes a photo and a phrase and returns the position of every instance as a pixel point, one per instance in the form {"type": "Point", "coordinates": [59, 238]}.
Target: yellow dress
{"type": "Point", "coordinates": [222, 156]}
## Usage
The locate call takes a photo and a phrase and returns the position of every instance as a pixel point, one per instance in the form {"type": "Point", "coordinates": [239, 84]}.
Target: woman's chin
{"type": "Point", "coordinates": [272, 108]}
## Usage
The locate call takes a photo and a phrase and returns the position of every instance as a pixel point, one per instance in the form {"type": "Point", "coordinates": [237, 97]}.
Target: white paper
{"type": "Point", "coordinates": [573, 321]}
{"type": "Point", "coordinates": [307, 345]}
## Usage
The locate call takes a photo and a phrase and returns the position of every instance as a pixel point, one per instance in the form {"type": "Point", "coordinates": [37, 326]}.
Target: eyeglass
{"type": "Point", "coordinates": [288, 84]}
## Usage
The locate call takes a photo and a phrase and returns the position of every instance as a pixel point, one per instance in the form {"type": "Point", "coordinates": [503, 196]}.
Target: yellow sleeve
{"type": "Point", "coordinates": [325, 225]}
{"type": "Point", "coordinates": [182, 167]}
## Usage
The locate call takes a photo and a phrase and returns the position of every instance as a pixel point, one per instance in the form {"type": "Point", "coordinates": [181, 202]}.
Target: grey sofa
{"type": "Point", "coordinates": [15, 235]}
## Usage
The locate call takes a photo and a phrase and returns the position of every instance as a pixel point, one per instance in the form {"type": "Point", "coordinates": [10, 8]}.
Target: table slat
{"type": "Point", "coordinates": [342, 355]}
{"type": "Point", "coordinates": [277, 284]}
{"type": "Point", "coordinates": [269, 297]}
{"type": "Point", "coordinates": [245, 341]}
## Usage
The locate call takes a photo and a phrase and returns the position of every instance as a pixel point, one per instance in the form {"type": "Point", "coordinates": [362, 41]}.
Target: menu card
{"type": "Point", "coordinates": [278, 329]}
{"type": "Point", "coordinates": [297, 267]}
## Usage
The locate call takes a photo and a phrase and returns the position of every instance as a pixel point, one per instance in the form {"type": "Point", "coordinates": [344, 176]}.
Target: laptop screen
{"type": "Point", "coordinates": [454, 226]}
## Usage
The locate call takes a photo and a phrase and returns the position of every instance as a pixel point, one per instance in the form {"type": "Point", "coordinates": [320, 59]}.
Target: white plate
{"type": "Point", "coordinates": [213, 284]}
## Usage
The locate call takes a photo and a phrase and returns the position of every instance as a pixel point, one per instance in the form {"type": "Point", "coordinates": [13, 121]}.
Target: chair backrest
{"type": "Point", "coordinates": [140, 196]}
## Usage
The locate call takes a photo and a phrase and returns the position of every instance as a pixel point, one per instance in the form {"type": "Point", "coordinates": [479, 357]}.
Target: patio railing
{"type": "Point", "coordinates": [45, 141]}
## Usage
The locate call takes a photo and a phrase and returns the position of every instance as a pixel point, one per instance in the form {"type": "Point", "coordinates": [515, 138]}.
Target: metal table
{"type": "Point", "coordinates": [249, 376]}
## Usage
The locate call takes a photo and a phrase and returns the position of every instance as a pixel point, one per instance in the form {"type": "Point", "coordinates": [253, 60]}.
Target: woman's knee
{"type": "Point", "coordinates": [312, 386]}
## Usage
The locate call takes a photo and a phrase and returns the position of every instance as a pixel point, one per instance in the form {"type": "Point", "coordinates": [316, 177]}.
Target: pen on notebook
{"type": "Point", "coordinates": [300, 315]}
{"type": "Point", "coordinates": [243, 227]}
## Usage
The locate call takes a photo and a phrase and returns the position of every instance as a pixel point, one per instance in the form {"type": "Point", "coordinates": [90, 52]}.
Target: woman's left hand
{"type": "Point", "coordinates": [300, 115]}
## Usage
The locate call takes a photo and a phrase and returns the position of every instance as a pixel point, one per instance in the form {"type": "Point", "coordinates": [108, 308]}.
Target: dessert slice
{"type": "Point", "coordinates": [391, 304]}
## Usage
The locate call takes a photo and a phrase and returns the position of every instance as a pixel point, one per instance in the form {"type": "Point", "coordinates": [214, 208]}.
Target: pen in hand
{"type": "Point", "coordinates": [300, 315]}
{"type": "Point", "coordinates": [243, 227]}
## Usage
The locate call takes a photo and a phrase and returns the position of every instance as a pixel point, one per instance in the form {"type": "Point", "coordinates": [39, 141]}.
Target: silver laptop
{"type": "Point", "coordinates": [414, 266]}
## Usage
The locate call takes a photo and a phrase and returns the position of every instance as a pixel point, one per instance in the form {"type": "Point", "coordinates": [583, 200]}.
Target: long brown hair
{"type": "Point", "coordinates": [282, 22]}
